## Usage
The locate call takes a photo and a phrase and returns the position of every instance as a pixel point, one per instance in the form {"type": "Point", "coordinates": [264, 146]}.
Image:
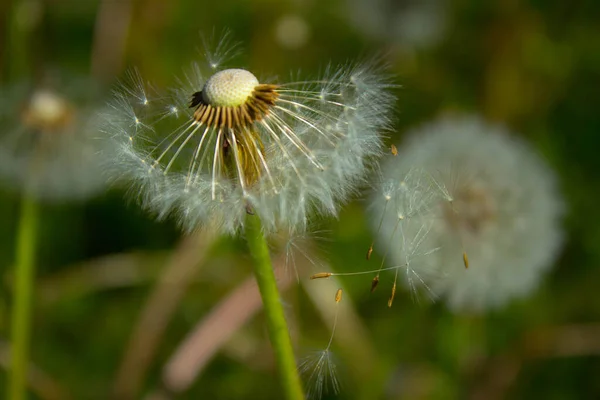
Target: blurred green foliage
{"type": "Point", "coordinates": [533, 65]}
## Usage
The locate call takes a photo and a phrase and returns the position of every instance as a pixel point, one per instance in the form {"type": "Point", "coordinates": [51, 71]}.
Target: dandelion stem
{"type": "Point", "coordinates": [23, 294]}
{"type": "Point", "coordinates": [276, 323]}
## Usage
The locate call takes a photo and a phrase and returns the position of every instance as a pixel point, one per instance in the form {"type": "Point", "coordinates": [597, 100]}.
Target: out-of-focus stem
{"type": "Point", "coordinates": [23, 298]}
{"type": "Point", "coordinates": [276, 323]}
{"type": "Point", "coordinates": [110, 38]}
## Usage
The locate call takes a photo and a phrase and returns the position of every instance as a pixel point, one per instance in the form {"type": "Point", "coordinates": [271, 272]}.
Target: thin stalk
{"type": "Point", "coordinates": [23, 295]}
{"type": "Point", "coordinates": [276, 323]}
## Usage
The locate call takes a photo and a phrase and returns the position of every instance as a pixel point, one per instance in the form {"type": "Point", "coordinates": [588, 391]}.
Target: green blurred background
{"type": "Point", "coordinates": [533, 65]}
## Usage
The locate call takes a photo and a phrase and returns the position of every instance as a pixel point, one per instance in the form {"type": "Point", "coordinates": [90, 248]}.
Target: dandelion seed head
{"type": "Point", "coordinates": [284, 149]}
{"type": "Point", "coordinates": [492, 208]}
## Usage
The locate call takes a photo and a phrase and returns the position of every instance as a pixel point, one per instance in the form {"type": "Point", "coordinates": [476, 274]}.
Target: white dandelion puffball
{"type": "Point", "coordinates": [225, 144]}
{"type": "Point", "coordinates": [48, 140]}
{"type": "Point", "coordinates": [481, 206]}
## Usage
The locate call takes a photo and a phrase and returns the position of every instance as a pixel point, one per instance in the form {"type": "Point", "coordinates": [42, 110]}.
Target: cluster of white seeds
{"type": "Point", "coordinates": [469, 213]}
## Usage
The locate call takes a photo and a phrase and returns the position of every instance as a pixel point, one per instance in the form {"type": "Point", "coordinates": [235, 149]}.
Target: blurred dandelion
{"type": "Point", "coordinates": [48, 144]}
{"type": "Point", "coordinates": [225, 144]}
{"type": "Point", "coordinates": [489, 204]}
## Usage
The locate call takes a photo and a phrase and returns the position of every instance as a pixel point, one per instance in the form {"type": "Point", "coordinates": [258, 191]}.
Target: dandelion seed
{"type": "Point", "coordinates": [495, 203]}
{"type": "Point", "coordinates": [321, 275]}
{"type": "Point", "coordinates": [338, 296]}
{"type": "Point", "coordinates": [394, 150]}
{"type": "Point", "coordinates": [374, 283]}
{"type": "Point", "coordinates": [370, 251]}
{"type": "Point", "coordinates": [387, 196]}
{"type": "Point", "coordinates": [405, 203]}
{"type": "Point", "coordinates": [48, 143]}
{"type": "Point", "coordinates": [319, 369]}
{"type": "Point", "coordinates": [413, 278]}
{"type": "Point", "coordinates": [284, 148]}
{"type": "Point", "coordinates": [320, 374]}
{"type": "Point", "coordinates": [391, 300]}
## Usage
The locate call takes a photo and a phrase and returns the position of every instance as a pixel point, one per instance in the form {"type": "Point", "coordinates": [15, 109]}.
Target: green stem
{"type": "Point", "coordinates": [23, 294]}
{"type": "Point", "coordinates": [276, 323]}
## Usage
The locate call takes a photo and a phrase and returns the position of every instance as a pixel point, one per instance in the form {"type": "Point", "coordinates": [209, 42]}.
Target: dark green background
{"type": "Point", "coordinates": [533, 65]}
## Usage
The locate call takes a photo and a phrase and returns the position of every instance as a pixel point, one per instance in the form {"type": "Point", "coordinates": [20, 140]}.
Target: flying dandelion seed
{"type": "Point", "coordinates": [412, 244]}
{"type": "Point", "coordinates": [319, 369]}
{"type": "Point", "coordinates": [409, 238]}
{"type": "Point", "coordinates": [494, 214]}
{"type": "Point", "coordinates": [48, 143]}
{"type": "Point", "coordinates": [401, 205]}
{"type": "Point", "coordinates": [225, 144]}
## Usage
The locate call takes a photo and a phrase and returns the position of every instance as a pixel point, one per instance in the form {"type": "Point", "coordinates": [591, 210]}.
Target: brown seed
{"type": "Point", "coordinates": [369, 252]}
{"type": "Point", "coordinates": [338, 296]}
{"type": "Point", "coordinates": [465, 259]}
{"type": "Point", "coordinates": [374, 283]}
{"type": "Point", "coordinates": [391, 300]}
{"type": "Point", "coordinates": [321, 275]}
{"type": "Point", "coordinates": [394, 150]}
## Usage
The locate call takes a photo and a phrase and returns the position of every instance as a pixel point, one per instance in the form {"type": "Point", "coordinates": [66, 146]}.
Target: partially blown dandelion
{"type": "Point", "coordinates": [220, 147]}
{"type": "Point", "coordinates": [487, 202]}
{"type": "Point", "coordinates": [235, 153]}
